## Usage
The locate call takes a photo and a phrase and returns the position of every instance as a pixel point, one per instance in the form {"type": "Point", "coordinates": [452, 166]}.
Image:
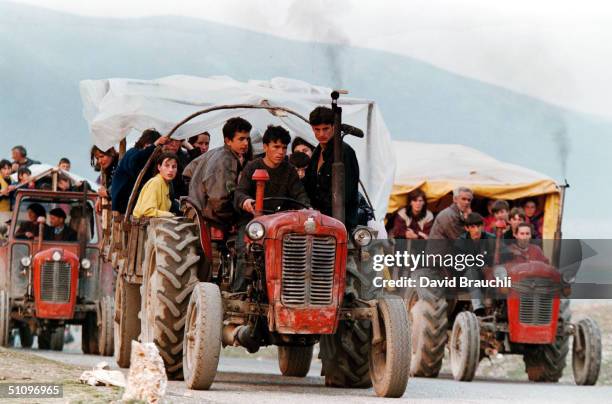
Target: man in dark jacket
{"type": "Point", "coordinates": [130, 166]}
{"type": "Point", "coordinates": [215, 176]}
{"type": "Point", "coordinates": [20, 158]}
{"type": "Point", "coordinates": [284, 182]}
{"type": "Point", "coordinates": [58, 231]}
{"type": "Point", "coordinates": [449, 223]}
{"type": "Point", "coordinates": [318, 179]}
{"type": "Point", "coordinates": [475, 241]}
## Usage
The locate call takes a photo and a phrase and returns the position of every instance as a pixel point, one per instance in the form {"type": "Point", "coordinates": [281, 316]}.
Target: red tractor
{"type": "Point", "coordinates": [48, 283]}
{"type": "Point", "coordinates": [529, 317]}
{"type": "Point", "coordinates": [311, 285]}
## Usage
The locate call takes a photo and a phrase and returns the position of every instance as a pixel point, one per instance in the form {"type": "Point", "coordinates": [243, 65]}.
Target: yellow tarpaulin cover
{"type": "Point", "coordinates": [439, 168]}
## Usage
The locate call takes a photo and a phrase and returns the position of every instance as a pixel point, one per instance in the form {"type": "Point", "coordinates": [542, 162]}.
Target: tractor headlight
{"type": "Point", "coordinates": [26, 261]}
{"type": "Point", "coordinates": [255, 231]}
{"type": "Point", "coordinates": [500, 272]}
{"type": "Point", "coordinates": [362, 237]}
{"type": "Point", "coordinates": [56, 256]}
{"type": "Point", "coordinates": [85, 263]}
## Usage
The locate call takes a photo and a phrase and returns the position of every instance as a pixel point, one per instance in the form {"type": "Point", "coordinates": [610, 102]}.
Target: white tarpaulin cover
{"type": "Point", "coordinates": [115, 107]}
{"type": "Point", "coordinates": [41, 170]}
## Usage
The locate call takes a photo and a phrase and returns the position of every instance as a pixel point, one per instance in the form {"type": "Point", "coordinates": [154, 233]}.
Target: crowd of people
{"type": "Point", "coordinates": [459, 229]}
{"type": "Point", "coordinates": [219, 181]}
{"type": "Point", "coordinates": [20, 165]}
{"type": "Point", "coordinates": [416, 221]}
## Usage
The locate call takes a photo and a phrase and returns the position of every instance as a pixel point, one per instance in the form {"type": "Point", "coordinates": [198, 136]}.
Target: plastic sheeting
{"type": "Point", "coordinates": [115, 107]}
{"type": "Point", "coordinates": [42, 170]}
{"type": "Point", "coordinates": [439, 168]}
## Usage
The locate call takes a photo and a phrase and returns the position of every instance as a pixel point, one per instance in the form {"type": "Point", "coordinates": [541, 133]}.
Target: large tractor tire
{"type": "Point", "coordinates": [465, 346]}
{"type": "Point", "coordinates": [170, 275]}
{"type": "Point", "coordinates": [202, 342]}
{"type": "Point", "coordinates": [390, 358]}
{"type": "Point", "coordinates": [545, 363]}
{"type": "Point", "coordinates": [428, 326]}
{"type": "Point", "coordinates": [295, 360]}
{"type": "Point", "coordinates": [126, 325]}
{"type": "Point", "coordinates": [5, 318]}
{"type": "Point", "coordinates": [586, 352]}
{"type": "Point", "coordinates": [51, 338]}
{"type": "Point", "coordinates": [345, 355]}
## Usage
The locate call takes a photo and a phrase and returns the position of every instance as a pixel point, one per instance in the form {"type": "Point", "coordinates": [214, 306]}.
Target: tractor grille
{"type": "Point", "coordinates": [55, 282]}
{"type": "Point", "coordinates": [308, 269]}
{"type": "Point", "coordinates": [536, 300]}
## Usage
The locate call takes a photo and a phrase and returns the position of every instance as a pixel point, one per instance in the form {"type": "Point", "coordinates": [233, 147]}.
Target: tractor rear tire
{"type": "Point", "coordinates": [295, 360]}
{"type": "Point", "coordinates": [126, 327]}
{"type": "Point", "coordinates": [202, 341]}
{"type": "Point", "coordinates": [170, 275]}
{"type": "Point", "coordinates": [5, 318]}
{"type": "Point", "coordinates": [345, 355]}
{"type": "Point", "coordinates": [428, 324]}
{"type": "Point", "coordinates": [465, 346]}
{"type": "Point", "coordinates": [26, 336]}
{"type": "Point", "coordinates": [586, 352]}
{"type": "Point", "coordinates": [545, 363]}
{"type": "Point", "coordinates": [390, 358]}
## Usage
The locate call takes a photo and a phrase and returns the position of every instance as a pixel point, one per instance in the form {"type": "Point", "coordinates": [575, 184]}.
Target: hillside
{"type": "Point", "coordinates": [44, 54]}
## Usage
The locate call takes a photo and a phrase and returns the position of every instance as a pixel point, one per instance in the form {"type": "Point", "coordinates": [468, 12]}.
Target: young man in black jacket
{"type": "Point", "coordinates": [318, 179]}
{"type": "Point", "coordinates": [284, 182]}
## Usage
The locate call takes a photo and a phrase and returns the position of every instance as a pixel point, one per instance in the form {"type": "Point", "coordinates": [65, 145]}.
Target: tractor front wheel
{"type": "Point", "coordinates": [586, 352]}
{"type": "Point", "coordinates": [106, 345]}
{"type": "Point", "coordinates": [295, 360]}
{"type": "Point", "coordinates": [202, 341]}
{"type": "Point", "coordinates": [465, 346]}
{"type": "Point", "coordinates": [390, 357]}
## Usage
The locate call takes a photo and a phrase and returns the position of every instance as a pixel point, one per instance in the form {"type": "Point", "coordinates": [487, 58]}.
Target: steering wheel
{"type": "Point", "coordinates": [282, 198]}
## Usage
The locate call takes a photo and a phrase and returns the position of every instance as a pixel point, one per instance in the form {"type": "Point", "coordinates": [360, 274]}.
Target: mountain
{"type": "Point", "coordinates": [44, 54]}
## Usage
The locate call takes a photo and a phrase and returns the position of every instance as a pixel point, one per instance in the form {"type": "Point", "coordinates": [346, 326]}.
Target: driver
{"type": "Point", "coordinates": [284, 182]}
{"type": "Point", "coordinates": [29, 228]}
{"type": "Point", "coordinates": [59, 231]}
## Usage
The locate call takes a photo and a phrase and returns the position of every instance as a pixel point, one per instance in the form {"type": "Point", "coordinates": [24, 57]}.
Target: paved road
{"type": "Point", "coordinates": [248, 381]}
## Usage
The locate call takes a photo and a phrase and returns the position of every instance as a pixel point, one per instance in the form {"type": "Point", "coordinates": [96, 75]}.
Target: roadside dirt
{"type": "Point", "coordinates": [24, 367]}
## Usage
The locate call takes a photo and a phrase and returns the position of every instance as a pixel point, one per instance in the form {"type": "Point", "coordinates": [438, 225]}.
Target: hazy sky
{"type": "Point", "coordinates": [555, 50]}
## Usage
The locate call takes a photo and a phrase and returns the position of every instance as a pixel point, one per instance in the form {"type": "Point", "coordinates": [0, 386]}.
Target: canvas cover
{"type": "Point", "coordinates": [115, 107]}
{"type": "Point", "coordinates": [439, 168]}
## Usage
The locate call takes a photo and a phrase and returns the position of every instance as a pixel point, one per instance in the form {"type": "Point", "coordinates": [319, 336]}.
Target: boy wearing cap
{"type": "Point", "coordinates": [476, 241]}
